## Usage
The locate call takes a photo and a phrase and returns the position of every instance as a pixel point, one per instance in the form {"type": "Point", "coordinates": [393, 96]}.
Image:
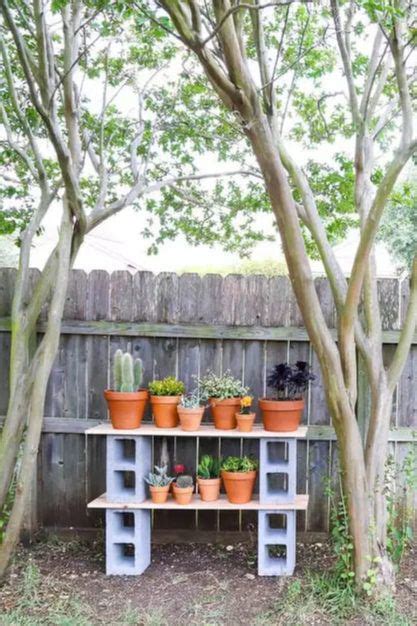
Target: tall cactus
{"type": "Point", "coordinates": [117, 370]}
{"type": "Point", "coordinates": [138, 373]}
{"type": "Point", "coordinates": [127, 373]}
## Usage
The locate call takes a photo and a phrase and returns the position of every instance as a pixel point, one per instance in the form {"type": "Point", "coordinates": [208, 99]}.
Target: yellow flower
{"type": "Point", "coordinates": [245, 401]}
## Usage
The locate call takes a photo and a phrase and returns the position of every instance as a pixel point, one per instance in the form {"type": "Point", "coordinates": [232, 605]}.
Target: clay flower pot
{"type": "Point", "coordinates": [182, 495]}
{"type": "Point", "coordinates": [126, 408]}
{"type": "Point", "coordinates": [239, 486]}
{"type": "Point", "coordinates": [190, 419]}
{"type": "Point", "coordinates": [164, 409]}
{"type": "Point", "coordinates": [159, 495]}
{"type": "Point", "coordinates": [245, 421]}
{"type": "Point", "coordinates": [281, 415]}
{"type": "Point", "coordinates": [224, 411]}
{"type": "Point", "coordinates": [209, 489]}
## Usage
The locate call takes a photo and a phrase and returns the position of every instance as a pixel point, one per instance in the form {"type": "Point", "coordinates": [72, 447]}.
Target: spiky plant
{"type": "Point", "coordinates": [209, 467]}
{"type": "Point", "coordinates": [184, 481]}
{"type": "Point", "coordinates": [128, 380]}
{"type": "Point", "coordinates": [117, 370]}
{"type": "Point", "coordinates": [138, 373]}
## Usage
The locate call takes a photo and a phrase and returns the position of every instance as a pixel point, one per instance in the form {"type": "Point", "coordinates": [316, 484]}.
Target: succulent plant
{"type": "Point", "coordinates": [191, 401]}
{"type": "Point", "coordinates": [184, 481]}
{"type": "Point", "coordinates": [169, 386]}
{"type": "Point", "coordinates": [209, 467]}
{"type": "Point", "coordinates": [290, 382]}
{"type": "Point", "coordinates": [138, 372]}
{"type": "Point", "coordinates": [117, 370]}
{"type": "Point", "coordinates": [127, 374]}
{"type": "Point", "coordinates": [239, 464]}
{"type": "Point", "coordinates": [159, 478]}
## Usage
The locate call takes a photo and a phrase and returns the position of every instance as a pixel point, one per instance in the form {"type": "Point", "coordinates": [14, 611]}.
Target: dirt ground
{"type": "Point", "coordinates": [63, 584]}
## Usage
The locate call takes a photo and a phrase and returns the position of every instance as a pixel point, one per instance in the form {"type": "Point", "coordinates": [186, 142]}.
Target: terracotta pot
{"type": "Point", "coordinates": [126, 408]}
{"type": "Point", "coordinates": [209, 489]}
{"type": "Point", "coordinates": [190, 419]}
{"type": "Point", "coordinates": [182, 495]}
{"type": "Point", "coordinates": [164, 409]}
{"type": "Point", "coordinates": [239, 486]}
{"type": "Point", "coordinates": [245, 421]}
{"type": "Point", "coordinates": [224, 411]}
{"type": "Point", "coordinates": [159, 495]}
{"type": "Point", "coordinates": [281, 415]}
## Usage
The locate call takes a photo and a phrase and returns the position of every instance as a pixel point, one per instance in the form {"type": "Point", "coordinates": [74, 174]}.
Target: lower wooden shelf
{"type": "Point", "coordinates": [223, 504]}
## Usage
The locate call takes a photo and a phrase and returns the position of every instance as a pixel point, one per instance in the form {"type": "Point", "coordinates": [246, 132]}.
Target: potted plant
{"type": "Point", "coordinates": [223, 393]}
{"type": "Point", "coordinates": [208, 478]}
{"type": "Point", "coordinates": [190, 411]}
{"type": "Point", "coordinates": [165, 396]}
{"type": "Point", "coordinates": [289, 383]}
{"type": "Point", "coordinates": [183, 489]}
{"type": "Point", "coordinates": [239, 476]}
{"type": "Point", "coordinates": [245, 418]}
{"type": "Point", "coordinates": [126, 401]}
{"type": "Point", "coordinates": [159, 483]}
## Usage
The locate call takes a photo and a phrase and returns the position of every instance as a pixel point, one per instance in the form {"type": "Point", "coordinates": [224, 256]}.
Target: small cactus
{"type": "Point", "coordinates": [138, 373]}
{"type": "Point", "coordinates": [127, 373]}
{"type": "Point", "coordinates": [184, 481]}
{"type": "Point", "coordinates": [117, 370]}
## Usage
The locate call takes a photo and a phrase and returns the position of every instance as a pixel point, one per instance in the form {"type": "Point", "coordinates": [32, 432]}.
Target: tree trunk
{"type": "Point", "coordinates": [11, 437]}
{"type": "Point", "coordinates": [365, 502]}
{"type": "Point", "coordinates": [34, 392]}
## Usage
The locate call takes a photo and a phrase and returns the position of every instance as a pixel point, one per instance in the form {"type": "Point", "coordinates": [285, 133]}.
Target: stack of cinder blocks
{"type": "Point", "coordinates": [128, 532]}
{"type": "Point", "coordinates": [277, 529]}
{"type": "Point", "coordinates": [128, 529]}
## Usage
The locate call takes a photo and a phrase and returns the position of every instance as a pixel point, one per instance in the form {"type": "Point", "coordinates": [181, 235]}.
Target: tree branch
{"type": "Point", "coordinates": [346, 60]}
{"type": "Point", "coordinates": [401, 353]}
{"type": "Point", "coordinates": [250, 7]}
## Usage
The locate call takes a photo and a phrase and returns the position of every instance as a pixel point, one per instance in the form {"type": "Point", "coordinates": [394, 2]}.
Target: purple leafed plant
{"type": "Point", "coordinates": [290, 382]}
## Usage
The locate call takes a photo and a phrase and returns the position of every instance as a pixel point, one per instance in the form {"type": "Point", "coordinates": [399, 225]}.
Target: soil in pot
{"type": "Point", "coordinates": [164, 410]}
{"type": "Point", "coordinates": [126, 408]}
{"type": "Point", "coordinates": [245, 421]}
{"type": "Point", "coordinates": [209, 489]}
{"type": "Point", "coordinates": [281, 415]}
{"type": "Point", "coordinates": [182, 495]}
{"type": "Point", "coordinates": [239, 486]}
{"type": "Point", "coordinates": [224, 412]}
{"type": "Point", "coordinates": [190, 419]}
{"type": "Point", "coordinates": [159, 495]}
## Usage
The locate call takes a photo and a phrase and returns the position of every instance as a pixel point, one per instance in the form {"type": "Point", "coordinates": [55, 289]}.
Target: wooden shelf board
{"type": "Point", "coordinates": [300, 504]}
{"type": "Point", "coordinates": [205, 430]}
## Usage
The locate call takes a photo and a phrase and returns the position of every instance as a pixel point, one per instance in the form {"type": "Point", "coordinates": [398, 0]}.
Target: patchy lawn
{"type": "Point", "coordinates": [63, 584]}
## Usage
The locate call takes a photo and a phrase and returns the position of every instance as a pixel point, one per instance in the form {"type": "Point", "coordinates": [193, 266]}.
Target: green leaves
{"type": "Point", "coordinates": [399, 224]}
{"type": "Point", "coordinates": [239, 464]}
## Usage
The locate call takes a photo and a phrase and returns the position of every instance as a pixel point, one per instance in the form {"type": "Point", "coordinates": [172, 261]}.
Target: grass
{"type": "Point", "coordinates": [30, 609]}
{"type": "Point", "coordinates": [65, 610]}
{"type": "Point", "coordinates": [321, 598]}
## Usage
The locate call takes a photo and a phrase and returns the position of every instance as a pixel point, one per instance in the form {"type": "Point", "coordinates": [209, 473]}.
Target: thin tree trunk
{"type": "Point", "coordinates": [11, 437]}
{"type": "Point", "coordinates": [36, 390]}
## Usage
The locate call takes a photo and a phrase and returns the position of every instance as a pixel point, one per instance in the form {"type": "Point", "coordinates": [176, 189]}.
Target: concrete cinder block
{"type": "Point", "coordinates": [276, 546]}
{"type": "Point", "coordinates": [128, 462]}
{"type": "Point", "coordinates": [128, 542]}
{"type": "Point", "coordinates": [277, 470]}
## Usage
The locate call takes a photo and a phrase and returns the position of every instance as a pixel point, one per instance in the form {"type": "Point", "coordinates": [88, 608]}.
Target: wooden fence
{"type": "Point", "coordinates": [185, 325]}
